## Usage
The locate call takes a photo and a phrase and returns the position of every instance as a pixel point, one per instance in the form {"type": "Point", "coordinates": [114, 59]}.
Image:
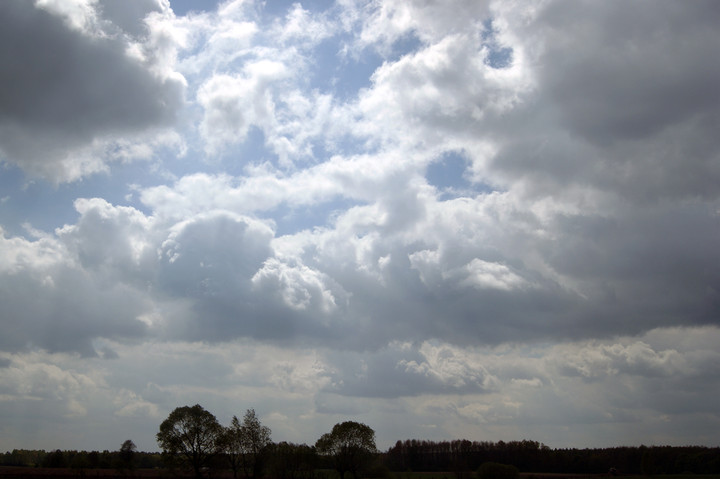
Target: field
{"type": "Point", "coordinates": [67, 473]}
{"type": "Point", "coordinates": [533, 475]}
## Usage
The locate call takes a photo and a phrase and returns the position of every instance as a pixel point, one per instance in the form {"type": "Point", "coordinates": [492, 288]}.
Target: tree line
{"type": "Point", "coordinates": [532, 456]}
{"type": "Point", "coordinates": [81, 459]}
{"type": "Point", "coordinates": [193, 440]}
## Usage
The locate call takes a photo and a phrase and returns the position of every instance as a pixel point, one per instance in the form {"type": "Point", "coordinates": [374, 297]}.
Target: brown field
{"type": "Point", "coordinates": [67, 473]}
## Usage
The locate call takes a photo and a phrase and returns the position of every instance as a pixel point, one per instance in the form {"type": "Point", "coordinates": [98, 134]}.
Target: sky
{"type": "Point", "coordinates": [449, 219]}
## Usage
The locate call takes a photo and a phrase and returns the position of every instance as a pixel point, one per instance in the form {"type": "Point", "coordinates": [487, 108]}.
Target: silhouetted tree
{"type": "Point", "coordinates": [126, 456]}
{"type": "Point", "coordinates": [190, 434]}
{"type": "Point", "coordinates": [351, 446]}
{"type": "Point", "coordinates": [256, 438]}
{"type": "Point", "coordinates": [232, 445]}
{"type": "Point", "coordinates": [244, 444]}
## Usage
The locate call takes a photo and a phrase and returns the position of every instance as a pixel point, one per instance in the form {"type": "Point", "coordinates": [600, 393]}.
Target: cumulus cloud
{"type": "Point", "coordinates": [298, 287]}
{"type": "Point", "coordinates": [115, 240]}
{"type": "Point", "coordinates": [459, 274]}
{"type": "Point", "coordinates": [403, 263]}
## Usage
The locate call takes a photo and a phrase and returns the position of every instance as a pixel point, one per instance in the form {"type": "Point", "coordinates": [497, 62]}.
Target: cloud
{"type": "Point", "coordinates": [490, 272]}
{"type": "Point", "coordinates": [71, 87]}
{"type": "Point", "coordinates": [301, 28]}
{"type": "Point", "coordinates": [437, 390]}
{"type": "Point", "coordinates": [609, 110]}
{"type": "Point", "coordinates": [290, 246]}
{"type": "Point", "coordinates": [233, 104]}
{"type": "Point", "coordinates": [386, 22]}
{"type": "Point", "coordinates": [401, 263]}
{"type": "Point", "coordinates": [43, 382]}
{"type": "Point", "coordinates": [130, 18]}
{"type": "Point", "coordinates": [402, 369]}
{"type": "Point", "coordinates": [451, 107]}
{"type": "Point", "coordinates": [211, 260]}
{"type": "Point", "coordinates": [298, 287]}
{"type": "Point", "coordinates": [117, 241]}
{"type": "Point", "coordinates": [53, 304]}
{"type": "Point", "coordinates": [617, 92]}
{"type": "Point", "coordinates": [132, 406]}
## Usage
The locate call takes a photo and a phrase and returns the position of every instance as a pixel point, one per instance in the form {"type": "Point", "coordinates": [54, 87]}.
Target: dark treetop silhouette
{"type": "Point", "coordinates": [190, 434]}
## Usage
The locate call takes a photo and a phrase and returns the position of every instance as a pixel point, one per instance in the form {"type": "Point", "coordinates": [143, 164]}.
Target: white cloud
{"type": "Point", "coordinates": [110, 239]}
{"type": "Point", "coordinates": [386, 22]}
{"type": "Point", "coordinates": [129, 404]}
{"type": "Point", "coordinates": [300, 26]}
{"type": "Point", "coordinates": [233, 104]}
{"type": "Point", "coordinates": [298, 287]}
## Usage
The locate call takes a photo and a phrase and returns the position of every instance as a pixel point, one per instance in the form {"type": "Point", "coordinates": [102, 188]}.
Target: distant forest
{"type": "Point", "coordinates": [446, 456]}
{"type": "Point", "coordinates": [532, 456]}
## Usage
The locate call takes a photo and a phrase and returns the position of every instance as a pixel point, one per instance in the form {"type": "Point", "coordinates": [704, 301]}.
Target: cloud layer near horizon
{"type": "Point", "coordinates": [500, 223]}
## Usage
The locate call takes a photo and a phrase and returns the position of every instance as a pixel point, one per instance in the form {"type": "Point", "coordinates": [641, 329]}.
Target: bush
{"type": "Point", "coordinates": [494, 470]}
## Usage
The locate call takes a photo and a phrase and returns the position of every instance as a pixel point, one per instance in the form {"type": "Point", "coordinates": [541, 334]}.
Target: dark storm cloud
{"type": "Point", "coordinates": [63, 88]}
